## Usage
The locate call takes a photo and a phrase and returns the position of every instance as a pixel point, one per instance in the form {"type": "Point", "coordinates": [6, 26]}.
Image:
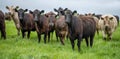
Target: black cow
{"type": "Point", "coordinates": [2, 25]}
{"type": "Point", "coordinates": [42, 24]}
{"type": "Point", "coordinates": [80, 27]}
{"type": "Point", "coordinates": [26, 22]}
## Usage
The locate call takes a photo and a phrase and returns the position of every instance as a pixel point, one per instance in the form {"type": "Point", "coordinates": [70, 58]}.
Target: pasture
{"type": "Point", "coordinates": [14, 47]}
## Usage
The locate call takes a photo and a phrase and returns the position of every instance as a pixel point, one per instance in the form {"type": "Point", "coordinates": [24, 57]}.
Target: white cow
{"type": "Point", "coordinates": [107, 24]}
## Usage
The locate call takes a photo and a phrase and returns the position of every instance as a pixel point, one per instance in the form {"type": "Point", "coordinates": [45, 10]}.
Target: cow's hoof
{"type": "Point", "coordinates": [104, 38]}
{"type": "Point", "coordinates": [63, 44]}
{"type": "Point", "coordinates": [110, 38]}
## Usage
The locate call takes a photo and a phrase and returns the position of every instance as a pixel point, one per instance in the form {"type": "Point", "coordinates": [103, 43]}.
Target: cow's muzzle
{"type": "Point", "coordinates": [107, 28]}
{"type": "Point", "coordinates": [51, 24]}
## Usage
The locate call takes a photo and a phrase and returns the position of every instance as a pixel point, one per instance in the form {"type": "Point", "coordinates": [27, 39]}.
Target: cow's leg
{"type": "Point", "coordinates": [28, 36]}
{"type": "Point", "coordinates": [1, 33]}
{"type": "Point", "coordinates": [62, 40]}
{"type": "Point", "coordinates": [19, 32]}
{"type": "Point", "coordinates": [97, 31]}
{"type": "Point", "coordinates": [79, 42]}
{"type": "Point", "coordinates": [104, 35]}
{"type": "Point", "coordinates": [110, 36]}
{"type": "Point", "coordinates": [18, 29]}
{"type": "Point", "coordinates": [45, 35]}
{"type": "Point", "coordinates": [23, 33]}
{"type": "Point", "coordinates": [91, 40]}
{"type": "Point", "coordinates": [4, 33]}
{"type": "Point", "coordinates": [56, 35]}
{"type": "Point", "coordinates": [49, 37]}
{"type": "Point", "coordinates": [39, 37]}
{"type": "Point", "coordinates": [72, 42]}
{"type": "Point", "coordinates": [87, 43]}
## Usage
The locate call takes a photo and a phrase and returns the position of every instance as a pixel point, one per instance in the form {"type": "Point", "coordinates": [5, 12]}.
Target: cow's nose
{"type": "Point", "coordinates": [107, 28]}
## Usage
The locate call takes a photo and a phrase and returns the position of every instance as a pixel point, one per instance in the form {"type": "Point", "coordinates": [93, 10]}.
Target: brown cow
{"type": "Point", "coordinates": [42, 24]}
{"type": "Point", "coordinates": [26, 22]}
{"type": "Point", "coordinates": [14, 16]}
{"type": "Point", "coordinates": [52, 19]}
{"type": "Point", "coordinates": [2, 25]}
{"type": "Point", "coordinates": [61, 27]}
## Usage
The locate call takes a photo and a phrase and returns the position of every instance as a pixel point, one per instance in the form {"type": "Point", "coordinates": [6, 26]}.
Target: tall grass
{"type": "Point", "coordinates": [15, 47]}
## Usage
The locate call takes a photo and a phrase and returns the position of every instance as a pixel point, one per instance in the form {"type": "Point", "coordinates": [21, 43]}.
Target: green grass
{"type": "Point", "coordinates": [14, 47]}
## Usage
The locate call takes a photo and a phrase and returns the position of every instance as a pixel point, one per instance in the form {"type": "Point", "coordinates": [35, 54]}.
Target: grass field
{"type": "Point", "coordinates": [14, 47]}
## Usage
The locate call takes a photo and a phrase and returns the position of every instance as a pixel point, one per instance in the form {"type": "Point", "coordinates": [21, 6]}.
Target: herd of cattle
{"type": "Point", "coordinates": [65, 23]}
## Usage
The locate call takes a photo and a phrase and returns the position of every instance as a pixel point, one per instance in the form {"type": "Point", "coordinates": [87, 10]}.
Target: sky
{"type": "Point", "coordinates": [82, 6]}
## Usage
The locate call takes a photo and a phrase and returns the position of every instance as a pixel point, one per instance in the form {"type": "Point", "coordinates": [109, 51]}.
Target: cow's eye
{"type": "Point", "coordinates": [111, 18]}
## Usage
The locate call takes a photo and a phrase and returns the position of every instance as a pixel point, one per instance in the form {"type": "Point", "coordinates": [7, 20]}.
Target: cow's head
{"type": "Point", "coordinates": [11, 9]}
{"type": "Point", "coordinates": [61, 11]}
{"type": "Point", "coordinates": [68, 17]}
{"type": "Point", "coordinates": [108, 21]}
{"type": "Point", "coordinates": [51, 18]}
{"type": "Point", "coordinates": [21, 13]}
{"type": "Point", "coordinates": [36, 14]}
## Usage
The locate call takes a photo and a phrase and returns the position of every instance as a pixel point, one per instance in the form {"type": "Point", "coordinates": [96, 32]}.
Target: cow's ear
{"type": "Point", "coordinates": [65, 9]}
{"type": "Point", "coordinates": [93, 14]}
{"type": "Point", "coordinates": [25, 10]}
{"type": "Point", "coordinates": [46, 15]}
{"type": "Point", "coordinates": [16, 7]}
{"type": "Point", "coordinates": [57, 16]}
{"type": "Point", "coordinates": [74, 12]}
{"type": "Point", "coordinates": [16, 10]}
{"type": "Point", "coordinates": [111, 18]}
{"type": "Point", "coordinates": [7, 7]}
{"type": "Point", "coordinates": [30, 12]}
{"type": "Point", "coordinates": [102, 18]}
{"type": "Point", "coordinates": [42, 11]}
{"type": "Point", "coordinates": [85, 14]}
{"type": "Point", "coordinates": [55, 10]}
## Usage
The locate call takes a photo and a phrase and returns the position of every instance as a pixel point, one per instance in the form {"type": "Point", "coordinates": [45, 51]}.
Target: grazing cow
{"type": "Point", "coordinates": [26, 22]}
{"type": "Point", "coordinates": [8, 16]}
{"type": "Point", "coordinates": [108, 24]}
{"type": "Point", "coordinates": [52, 19]}
{"type": "Point", "coordinates": [41, 24]}
{"type": "Point", "coordinates": [80, 27]}
{"type": "Point", "coordinates": [117, 17]}
{"type": "Point", "coordinates": [15, 18]}
{"type": "Point", "coordinates": [61, 27]}
{"type": "Point", "coordinates": [2, 25]}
